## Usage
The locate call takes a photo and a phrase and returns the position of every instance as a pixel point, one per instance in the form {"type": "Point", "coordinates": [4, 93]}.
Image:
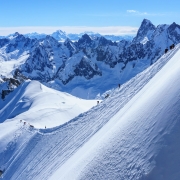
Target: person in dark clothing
{"type": "Point", "coordinates": [166, 50]}
{"type": "Point", "coordinates": [172, 46]}
{"type": "Point", "coordinates": [1, 172]}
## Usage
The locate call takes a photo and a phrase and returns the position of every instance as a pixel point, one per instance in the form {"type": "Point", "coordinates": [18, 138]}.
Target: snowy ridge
{"type": "Point", "coordinates": [119, 138]}
{"type": "Point", "coordinates": [42, 106]}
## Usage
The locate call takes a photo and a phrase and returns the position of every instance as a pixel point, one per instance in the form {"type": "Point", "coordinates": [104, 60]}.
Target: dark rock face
{"type": "Point", "coordinates": [7, 85]}
{"type": "Point", "coordinates": [37, 61]}
{"type": "Point", "coordinates": [174, 33]}
{"type": "Point", "coordinates": [3, 42]}
{"type": "Point", "coordinates": [86, 70]}
{"type": "Point", "coordinates": [104, 42]}
{"type": "Point", "coordinates": [85, 41]}
{"type": "Point", "coordinates": [71, 47]}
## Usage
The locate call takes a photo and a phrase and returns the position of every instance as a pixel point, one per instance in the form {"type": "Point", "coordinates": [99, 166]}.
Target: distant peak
{"type": "Point", "coordinates": [16, 34]}
{"type": "Point", "coordinates": [174, 24]}
{"type": "Point", "coordinates": [87, 37]}
{"type": "Point", "coordinates": [145, 31]}
{"type": "Point", "coordinates": [49, 37]}
{"type": "Point", "coordinates": [146, 21]}
{"type": "Point", "coordinates": [60, 32]}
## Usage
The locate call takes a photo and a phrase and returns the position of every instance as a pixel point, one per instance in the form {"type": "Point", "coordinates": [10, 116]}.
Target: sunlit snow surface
{"type": "Point", "coordinates": [34, 104]}
{"type": "Point", "coordinates": [9, 63]}
{"type": "Point", "coordinates": [41, 106]}
{"type": "Point", "coordinates": [131, 135]}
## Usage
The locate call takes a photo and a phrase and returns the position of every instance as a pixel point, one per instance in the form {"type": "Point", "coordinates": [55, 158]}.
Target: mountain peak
{"type": "Point", "coordinates": [16, 34]}
{"type": "Point", "coordinates": [103, 41]}
{"type": "Point", "coordinates": [86, 36]}
{"type": "Point", "coordinates": [146, 21]}
{"type": "Point", "coordinates": [174, 25]}
{"type": "Point", "coordinates": [147, 25]}
{"type": "Point", "coordinates": [60, 32]}
{"type": "Point", "coordinates": [85, 39]}
{"type": "Point", "coordinates": [59, 35]}
{"type": "Point", "coordinates": [145, 31]}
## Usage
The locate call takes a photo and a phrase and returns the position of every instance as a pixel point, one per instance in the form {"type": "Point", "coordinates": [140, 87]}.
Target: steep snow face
{"type": "Point", "coordinates": [131, 135]}
{"type": "Point", "coordinates": [41, 106]}
{"type": "Point", "coordinates": [140, 141]}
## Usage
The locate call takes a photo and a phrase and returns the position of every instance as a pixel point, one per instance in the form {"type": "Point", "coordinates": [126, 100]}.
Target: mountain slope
{"type": "Point", "coordinates": [140, 141]}
{"type": "Point", "coordinates": [42, 106]}
{"type": "Point", "coordinates": [121, 138]}
{"type": "Point", "coordinates": [34, 105]}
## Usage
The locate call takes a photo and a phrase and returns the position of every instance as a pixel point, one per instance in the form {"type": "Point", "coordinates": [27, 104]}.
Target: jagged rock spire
{"type": "Point", "coordinates": [145, 31]}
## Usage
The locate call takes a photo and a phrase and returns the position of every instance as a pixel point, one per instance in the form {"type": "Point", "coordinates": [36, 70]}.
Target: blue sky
{"type": "Point", "coordinates": [112, 16]}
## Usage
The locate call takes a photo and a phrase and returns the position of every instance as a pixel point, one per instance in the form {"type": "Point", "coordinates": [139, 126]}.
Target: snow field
{"type": "Point", "coordinates": [119, 138]}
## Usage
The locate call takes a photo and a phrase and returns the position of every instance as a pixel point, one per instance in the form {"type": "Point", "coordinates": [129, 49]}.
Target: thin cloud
{"type": "Point", "coordinates": [108, 30]}
{"type": "Point", "coordinates": [132, 11]}
{"type": "Point", "coordinates": [138, 13]}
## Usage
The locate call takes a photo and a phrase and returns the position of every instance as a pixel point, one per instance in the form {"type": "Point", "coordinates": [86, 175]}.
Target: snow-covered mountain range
{"type": "Point", "coordinates": [92, 65]}
{"type": "Point", "coordinates": [61, 36]}
{"type": "Point", "coordinates": [131, 135]}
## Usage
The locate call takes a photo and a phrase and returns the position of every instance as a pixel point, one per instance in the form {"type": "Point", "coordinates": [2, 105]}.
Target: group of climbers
{"type": "Point", "coordinates": [170, 47]}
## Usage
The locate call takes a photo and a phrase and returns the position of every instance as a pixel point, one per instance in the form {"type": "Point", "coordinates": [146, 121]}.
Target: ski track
{"type": "Point", "coordinates": [43, 153]}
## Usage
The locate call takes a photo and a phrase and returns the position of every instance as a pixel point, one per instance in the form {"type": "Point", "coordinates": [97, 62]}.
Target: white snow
{"type": "Point", "coordinates": [132, 135]}
{"type": "Point", "coordinates": [41, 106]}
{"type": "Point", "coordinates": [8, 66]}
{"type": "Point", "coordinates": [36, 105]}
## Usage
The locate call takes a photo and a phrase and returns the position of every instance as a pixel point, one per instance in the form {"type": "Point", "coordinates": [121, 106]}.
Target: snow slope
{"type": "Point", "coordinates": [41, 106]}
{"type": "Point", "coordinates": [140, 141]}
{"type": "Point", "coordinates": [7, 67]}
{"type": "Point", "coordinates": [131, 135]}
